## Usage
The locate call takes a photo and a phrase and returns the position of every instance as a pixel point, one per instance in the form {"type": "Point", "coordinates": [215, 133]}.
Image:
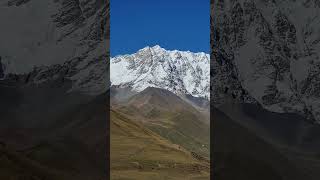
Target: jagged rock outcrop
{"type": "Point", "coordinates": [69, 43]}
{"type": "Point", "coordinates": [267, 52]}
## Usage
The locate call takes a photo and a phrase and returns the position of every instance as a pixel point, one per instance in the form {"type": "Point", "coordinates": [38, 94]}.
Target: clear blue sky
{"type": "Point", "coordinates": [172, 24]}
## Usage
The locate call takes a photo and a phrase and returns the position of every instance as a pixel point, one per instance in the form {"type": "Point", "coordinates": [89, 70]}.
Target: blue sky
{"type": "Point", "coordinates": [172, 24]}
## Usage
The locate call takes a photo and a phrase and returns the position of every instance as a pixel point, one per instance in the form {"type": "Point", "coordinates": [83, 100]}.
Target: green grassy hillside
{"type": "Point", "coordinates": [170, 117]}
{"type": "Point", "coordinates": [139, 153]}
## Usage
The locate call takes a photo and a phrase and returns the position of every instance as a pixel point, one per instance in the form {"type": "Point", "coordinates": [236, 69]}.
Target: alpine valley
{"type": "Point", "coordinates": [160, 126]}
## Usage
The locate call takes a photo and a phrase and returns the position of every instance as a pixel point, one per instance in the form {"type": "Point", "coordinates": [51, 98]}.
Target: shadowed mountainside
{"type": "Point", "coordinates": [249, 140]}
{"type": "Point", "coordinates": [48, 133]}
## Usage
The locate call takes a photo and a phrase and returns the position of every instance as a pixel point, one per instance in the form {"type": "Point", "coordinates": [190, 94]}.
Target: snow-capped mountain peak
{"type": "Point", "coordinates": [177, 71]}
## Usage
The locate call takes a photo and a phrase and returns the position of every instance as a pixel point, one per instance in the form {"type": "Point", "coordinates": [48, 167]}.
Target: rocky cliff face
{"type": "Point", "coordinates": [66, 40]}
{"type": "Point", "coordinates": [267, 52]}
{"type": "Point", "coordinates": [177, 71]}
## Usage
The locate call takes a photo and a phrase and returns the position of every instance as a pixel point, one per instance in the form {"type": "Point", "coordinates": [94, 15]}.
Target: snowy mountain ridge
{"type": "Point", "coordinates": [181, 72]}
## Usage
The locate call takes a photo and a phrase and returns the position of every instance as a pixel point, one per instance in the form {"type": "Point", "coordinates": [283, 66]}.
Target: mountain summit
{"type": "Point", "coordinates": [181, 72]}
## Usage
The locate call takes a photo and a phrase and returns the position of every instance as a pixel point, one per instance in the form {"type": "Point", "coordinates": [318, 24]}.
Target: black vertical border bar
{"type": "Point", "coordinates": [211, 93]}
{"type": "Point", "coordinates": [108, 91]}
